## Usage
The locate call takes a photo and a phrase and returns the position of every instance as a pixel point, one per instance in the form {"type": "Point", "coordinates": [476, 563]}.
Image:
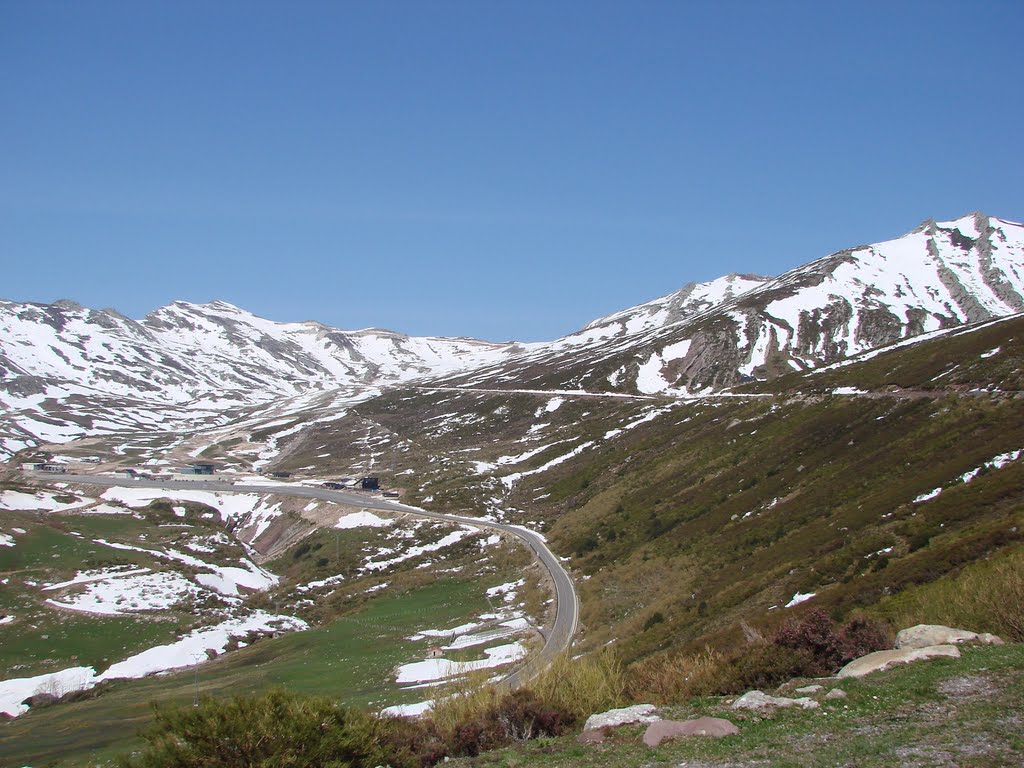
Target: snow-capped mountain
{"type": "Point", "coordinates": [718, 334]}
{"type": "Point", "coordinates": [68, 371]}
{"type": "Point", "coordinates": [187, 352]}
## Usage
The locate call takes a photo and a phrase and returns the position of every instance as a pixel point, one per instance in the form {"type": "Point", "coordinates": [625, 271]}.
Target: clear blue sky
{"type": "Point", "coordinates": [490, 169]}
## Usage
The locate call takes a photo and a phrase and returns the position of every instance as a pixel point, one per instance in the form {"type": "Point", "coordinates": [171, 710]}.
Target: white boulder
{"type": "Point", "coordinates": [639, 713]}
{"type": "Point", "coordinates": [925, 635]}
{"type": "Point", "coordinates": [879, 660]}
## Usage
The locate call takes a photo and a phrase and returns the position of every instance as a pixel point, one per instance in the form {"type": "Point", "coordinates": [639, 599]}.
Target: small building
{"type": "Point", "coordinates": [370, 484]}
{"type": "Point", "coordinates": [32, 466]}
{"type": "Point", "coordinates": [279, 473]}
{"type": "Point", "coordinates": [435, 652]}
{"type": "Point", "coordinates": [333, 486]}
{"type": "Point", "coordinates": [55, 468]}
{"type": "Point", "coordinates": [200, 468]}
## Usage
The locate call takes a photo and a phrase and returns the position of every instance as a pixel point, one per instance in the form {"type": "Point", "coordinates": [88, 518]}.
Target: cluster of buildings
{"type": "Point", "coordinates": [201, 469]}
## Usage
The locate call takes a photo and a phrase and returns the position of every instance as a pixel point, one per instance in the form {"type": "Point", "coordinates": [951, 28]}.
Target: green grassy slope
{"type": "Point", "coordinates": [718, 511]}
{"type": "Point", "coordinates": [963, 712]}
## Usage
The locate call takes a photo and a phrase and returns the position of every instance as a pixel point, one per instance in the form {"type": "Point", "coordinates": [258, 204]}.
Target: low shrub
{"type": "Point", "coordinates": [413, 742]}
{"type": "Point", "coordinates": [863, 634]}
{"type": "Point", "coordinates": [516, 716]}
{"type": "Point", "coordinates": [762, 666]}
{"type": "Point", "coordinates": [269, 731]}
{"type": "Point", "coordinates": [808, 646]}
{"type": "Point", "coordinates": [814, 636]}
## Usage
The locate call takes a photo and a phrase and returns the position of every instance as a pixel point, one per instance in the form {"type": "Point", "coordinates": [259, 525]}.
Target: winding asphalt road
{"type": "Point", "coordinates": [558, 637]}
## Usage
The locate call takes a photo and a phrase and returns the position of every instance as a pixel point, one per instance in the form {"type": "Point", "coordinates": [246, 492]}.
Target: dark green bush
{"type": "Point", "coordinates": [653, 620]}
{"type": "Point", "coordinates": [275, 730]}
{"type": "Point", "coordinates": [762, 666]}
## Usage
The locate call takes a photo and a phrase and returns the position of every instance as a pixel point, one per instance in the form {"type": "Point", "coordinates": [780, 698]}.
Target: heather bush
{"type": "Point", "coordinates": [815, 636]}
{"type": "Point", "coordinates": [516, 716]}
{"type": "Point", "coordinates": [413, 742]}
{"type": "Point", "coordinates": [862, 635]}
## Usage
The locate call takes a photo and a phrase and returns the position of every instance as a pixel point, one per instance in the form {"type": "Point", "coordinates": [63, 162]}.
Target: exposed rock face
{"type": "Point", "coordinates": [879, 660]}
{"type": "Point", "coordinates": [718, 334]}
{"type": "Point", "coordinates": [759, 700]}
{"type": "Point", "coordinates": [924, 635]}
{"type": "Point", "coordinates": [665, 730]}
{"type": "Point", "coordinates": [640, 713]}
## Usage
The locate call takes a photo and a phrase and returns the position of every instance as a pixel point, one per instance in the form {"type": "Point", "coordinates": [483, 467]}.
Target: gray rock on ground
{"type": "Point", "coordinates": [926, 635]}
{"type": "Point", "coordinates": [639, 713]}
{"type": "Point", "coordinates": [664, 730]}
{"type": "Point", "coordinates": [879, 660]}
{"type": "Point", "coordinates": [761, 700]}
{"type": "Point", "coordinates": [591, 737]}
{"type": "Point", "coordinates": [809, 689]}
{"type": "Point", "coordinates": [835, 693]}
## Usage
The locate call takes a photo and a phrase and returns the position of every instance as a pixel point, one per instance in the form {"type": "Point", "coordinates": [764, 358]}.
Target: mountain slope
{"type": "Point", "coordinates": [684, 518]}
{"type": "Point", "coordinates": [942, 274]}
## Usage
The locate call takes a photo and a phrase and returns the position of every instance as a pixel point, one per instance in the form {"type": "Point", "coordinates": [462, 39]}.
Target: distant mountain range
{"type": "Point", "coordinates": [67, 371]}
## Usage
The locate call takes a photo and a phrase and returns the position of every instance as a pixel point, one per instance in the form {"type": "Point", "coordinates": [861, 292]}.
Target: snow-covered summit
{"type": "Point", "coordinates": [59, 363]}
{"type": "Point", "coordinates": [713, 335]}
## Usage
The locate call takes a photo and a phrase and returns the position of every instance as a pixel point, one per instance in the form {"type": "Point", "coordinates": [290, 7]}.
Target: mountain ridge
{"type": "Point", "coordinates": [68, 370]}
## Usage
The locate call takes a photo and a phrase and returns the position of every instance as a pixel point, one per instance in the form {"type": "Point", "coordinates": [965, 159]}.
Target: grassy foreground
{"type": "Point", "coordinates": [945, 712]}
{"type": "Point", "coordinates": [350, 659]}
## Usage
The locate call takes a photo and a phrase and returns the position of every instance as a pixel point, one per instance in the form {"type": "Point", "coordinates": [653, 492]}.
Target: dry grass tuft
{"type": "Point", "coordinates": [676, 678]}
{"type": "Point", "coordinates": [987, 596]}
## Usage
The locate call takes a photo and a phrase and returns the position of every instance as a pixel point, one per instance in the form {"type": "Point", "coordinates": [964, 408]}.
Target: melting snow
{"type": "Point", "coordinates": [799, 598]}
{"type": "Point", "coordinates": [363, 520]}
{"type": "Point", "coordinates": [186, 652]}
{"type": "Point", "coordinates": [130, 592]}
{"type": "Point", "coordinates": [38, 502]}
{"type": "Point", "coordinates": [440, 669]}
{"type": "Point", "coordinates": [447, 541]}
{"type": "Point", "coordinates": [408, 710]}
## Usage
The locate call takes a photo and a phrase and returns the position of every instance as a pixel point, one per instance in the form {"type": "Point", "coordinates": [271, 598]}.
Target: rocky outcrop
{"type": "Point", "coordinates": [879, 660]}
{"type": "Point", "coordinates": [640, 713]}
{"type": "Point", "coordinates": [925, 635]}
